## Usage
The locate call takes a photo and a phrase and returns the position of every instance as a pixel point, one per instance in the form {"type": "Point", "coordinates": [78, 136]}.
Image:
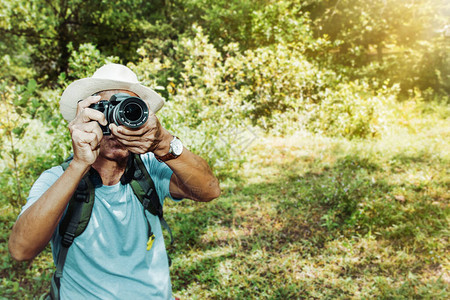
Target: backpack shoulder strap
{"type": "Point", "coordinates": [145, 190]}
{"type": "Point", "coordinates": [75, 221]}
{"type": "Point", "coordinates": [80, 207]}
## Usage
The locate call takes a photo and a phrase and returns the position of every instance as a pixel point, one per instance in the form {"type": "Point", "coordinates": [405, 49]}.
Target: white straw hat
{"type": "Point", "coordinates": [108, 77]}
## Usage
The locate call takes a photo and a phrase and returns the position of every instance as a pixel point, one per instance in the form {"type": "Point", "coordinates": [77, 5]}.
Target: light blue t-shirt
{"type": "Point", "coordinates": [109, 260]}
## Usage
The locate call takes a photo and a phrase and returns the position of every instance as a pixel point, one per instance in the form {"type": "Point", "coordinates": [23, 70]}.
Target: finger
{"type": "Point", "coordinates": [136, 150]}
{"type": "Point", "coordinates": [83, 139]}
{"type": "Point", "coordinates": [97, 131]}
{"type": "Point", "coordinates": [91, 126]}
{"type": "Point", "coordinates": [87, 139]}
{"type": "Point", "coordinates": [90, 114]}
{"type": "Point", "coordinates": [128, 143]}
{"type": "Point", "coordinates": [95, 143]}
{"type": "Point", "coordinates": [122, 131]}
{"type": "Point", "coordinates": [87, 134]}
{"type": "Point", "coordinates": [151, 124]}
{"type": "Point", "coordinates": [87, 102]}
{"type": "Point", "coordinates": [86, 114]}
{"type": "Point", "coordinates": [92, 140]}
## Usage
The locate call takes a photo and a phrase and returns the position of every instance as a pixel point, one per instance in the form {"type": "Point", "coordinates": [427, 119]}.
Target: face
{"type": "Point", "coordinates": [110, 148]}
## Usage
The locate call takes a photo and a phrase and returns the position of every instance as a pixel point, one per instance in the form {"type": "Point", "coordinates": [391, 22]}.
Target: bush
{"type": "Point", "coordinates": [352, 110]}
{"type": "Point", "coordinates": [425, 68]}
{"type": "Point", "coordinates": [86, 60]}
{"type": "Point", "coordinates": [274, 88]}
{"type": "Point", "coordinates": [199, 109]}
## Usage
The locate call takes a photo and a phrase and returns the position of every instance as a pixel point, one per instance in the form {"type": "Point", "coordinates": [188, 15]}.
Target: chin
{"type": "Point", "coordinates": [117, 156]}
{"type": "Point", "coordinates": [111, 149]}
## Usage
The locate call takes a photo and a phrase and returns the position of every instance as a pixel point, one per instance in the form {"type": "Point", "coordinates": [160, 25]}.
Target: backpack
{"type": "Point", "coordinates": [80, 206]}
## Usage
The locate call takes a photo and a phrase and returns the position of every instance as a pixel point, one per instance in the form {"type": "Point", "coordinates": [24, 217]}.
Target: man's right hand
{"type": "Point", "coordinates": [86, 133]}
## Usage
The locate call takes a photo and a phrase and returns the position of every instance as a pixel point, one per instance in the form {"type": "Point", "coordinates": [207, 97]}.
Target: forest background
{"type": "Point", "coordinates": [326, 122]}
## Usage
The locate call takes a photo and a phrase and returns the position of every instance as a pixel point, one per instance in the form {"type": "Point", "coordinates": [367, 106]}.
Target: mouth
{"type": "Point", "coordinates": [112, 142]}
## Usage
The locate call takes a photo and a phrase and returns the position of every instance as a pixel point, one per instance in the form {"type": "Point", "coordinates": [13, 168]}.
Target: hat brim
{"type": "Point", "coordinates": [83, 88]}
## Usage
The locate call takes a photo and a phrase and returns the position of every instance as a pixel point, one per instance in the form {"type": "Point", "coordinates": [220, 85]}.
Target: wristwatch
{"type": "Point", "coordinates": [176, 148]}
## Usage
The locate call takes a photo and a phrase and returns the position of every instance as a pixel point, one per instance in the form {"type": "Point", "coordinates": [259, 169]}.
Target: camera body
{"type": "Point", "coordinates": [122, 109]}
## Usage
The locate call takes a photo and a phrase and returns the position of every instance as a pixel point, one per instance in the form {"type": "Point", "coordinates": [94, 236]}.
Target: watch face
{"type": "Point", "coordinates": [177, 147]}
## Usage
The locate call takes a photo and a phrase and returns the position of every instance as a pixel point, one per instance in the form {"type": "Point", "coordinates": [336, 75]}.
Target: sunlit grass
{"type": "Point", "coordinates": [383, 232]}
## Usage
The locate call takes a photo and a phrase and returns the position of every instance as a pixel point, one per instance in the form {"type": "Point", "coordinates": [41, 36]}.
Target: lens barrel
{"type": "Point", "coordinates": [122, 109]}
{"type": "Point", "coordinates": [131, 112]}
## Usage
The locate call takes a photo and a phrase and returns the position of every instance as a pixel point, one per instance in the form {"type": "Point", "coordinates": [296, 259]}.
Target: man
{"type": "Point", "coordinates": [109, 260]}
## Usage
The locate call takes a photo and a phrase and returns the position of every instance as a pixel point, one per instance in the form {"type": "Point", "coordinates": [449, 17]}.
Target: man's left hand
{"type": "Point", "coordinates": [151, 137]}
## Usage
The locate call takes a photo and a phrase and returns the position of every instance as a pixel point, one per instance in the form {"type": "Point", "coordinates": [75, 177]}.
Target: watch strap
{"type": "Point", "coordinates": [166, 157]}
{"type": "Point", "coordinates": [169, 155]}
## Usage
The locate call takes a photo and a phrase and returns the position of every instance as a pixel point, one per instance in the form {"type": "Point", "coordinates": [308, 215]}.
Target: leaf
{"type": "Point", "coordinates": [400, 198]}
{"type": "Point", "coordinates": [18, 131]}
{"type": "Point", "coordinates": [35, 103]}
{"type": "Point", "coordinates": [32, 85]}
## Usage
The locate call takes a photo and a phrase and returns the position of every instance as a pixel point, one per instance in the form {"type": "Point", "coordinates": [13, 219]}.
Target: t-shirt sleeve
{"type": "Point", "coordinates": [41, 185]}
{"type": "Point", "coordinates": [161, 175]}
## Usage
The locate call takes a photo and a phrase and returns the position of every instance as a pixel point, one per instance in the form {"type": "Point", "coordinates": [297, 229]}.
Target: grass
{"type": "Point", "coordinates": [318, 218]}
{"type": "Point", "coordinates": [310, 217]}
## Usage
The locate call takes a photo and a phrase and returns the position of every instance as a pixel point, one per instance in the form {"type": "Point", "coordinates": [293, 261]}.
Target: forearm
{"type": "Point", "coordinates": [34, 228]}
{"type": "Point", "coordinates": [192, 178]}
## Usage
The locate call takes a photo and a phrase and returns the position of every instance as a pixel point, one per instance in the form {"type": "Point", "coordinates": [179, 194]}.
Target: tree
{"type": "Point", "coordinates": [391, 40]}
{"type": "Point", "coordinates": [362, 26]}
{"type": "Point", "coordinates": [45, 28]}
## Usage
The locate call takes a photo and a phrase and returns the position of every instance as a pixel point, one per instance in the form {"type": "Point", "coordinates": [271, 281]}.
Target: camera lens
{"type": "Point", "coordinates": [132, 112]}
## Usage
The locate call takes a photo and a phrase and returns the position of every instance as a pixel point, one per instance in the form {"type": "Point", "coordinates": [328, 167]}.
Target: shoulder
{"type": "Point", "coordinates": [147, 158]}
{"type": "Point", "coordinates": [48, 177]}
{"type": "Point", "coordinates": [45, 180]}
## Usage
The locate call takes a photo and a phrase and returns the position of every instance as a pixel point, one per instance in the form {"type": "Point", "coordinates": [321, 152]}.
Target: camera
{"type": "Point", "coordinates": [122, 109]}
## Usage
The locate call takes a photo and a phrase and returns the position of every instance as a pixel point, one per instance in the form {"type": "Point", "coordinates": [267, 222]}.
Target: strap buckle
{"type": "Point", "coordinates": [152, 206]}
{"type": "Point", "coordinates": [82, 197]}
{"type": "Point", "coordinates": [68, 239]}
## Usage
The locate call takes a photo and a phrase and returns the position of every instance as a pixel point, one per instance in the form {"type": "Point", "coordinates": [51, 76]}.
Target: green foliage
{"type": "Point", "coordinates": [264, 86]}
{"type": "Point", "coordinates": [15, 103]}
{"type": "Point", "coordinates": [22, 280]}
{"type": "Point", "coordinates": [350, 199]}
{"type": "Point", "coordinates": [196, 110]}
{"type": "Point", "coordinates": [84, 61]}
{"type": "Point", "coordinates": [46, 29]}
{"type": "Point", "coordinates": [352, 110]}
{"type": "Point", "coordinates": [424, 69]}
{"type": "Point", "coordinates": [253, 88]}
{"type": "Point", "coordinates": [227, 21]}
{"type": "Point", "coordinates": [32, 138]}
{"type": "Point", "coordinates": [399, 41]}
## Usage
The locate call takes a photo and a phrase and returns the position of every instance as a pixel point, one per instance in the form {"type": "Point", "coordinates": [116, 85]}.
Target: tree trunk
{"type": "Point", "coordinates": [63, 38]}
{"type": "Point", "coordinates": [380, 53]}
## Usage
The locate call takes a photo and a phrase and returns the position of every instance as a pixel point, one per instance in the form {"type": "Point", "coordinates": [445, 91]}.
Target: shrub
{"type": "Point", "coordinates": [352, 110]}
{"type": "Point", "coordinates": [216, 102]}
{"type": "Point", "coordinates": [199, 109]}
{"type": "Point", "coordinates": [86, 60]}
